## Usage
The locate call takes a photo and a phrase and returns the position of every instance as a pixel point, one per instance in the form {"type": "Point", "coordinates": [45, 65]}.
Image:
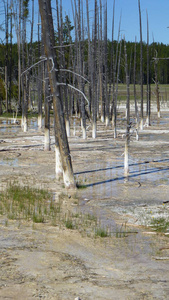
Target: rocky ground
{"type": "Point", "coordinates": [45, 261]}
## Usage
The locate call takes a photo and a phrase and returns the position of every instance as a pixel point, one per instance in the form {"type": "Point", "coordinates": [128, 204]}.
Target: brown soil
{"type": "Point", "coordinates": [40, 261]}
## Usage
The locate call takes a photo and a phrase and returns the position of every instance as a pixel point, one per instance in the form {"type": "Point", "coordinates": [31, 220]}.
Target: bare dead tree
{"type": "Point", "coordinates": [6, 8]}
{"type": "Point", "coordinates": [48, 97]}
{"type": "Point", "coordinates": [157, 84]}
{"type": "Point", "coordinates": [89, 56]}
{"type": "Point", "coordinates": [63, 75]}
{"type": "Point", "coordinates": [135, 95]}
{"type": "Point", "coordinates": [17, 24]}
{"type": "Point", "coordinates": [24, 79]}
{"type": "Point", "coordinates": [98, 66]}
{"type": "Point", "coordinates": [94, 103]}
{"type": "Point", "coordinates": [141, 66]}
{"type": "Point", "coordinates": [40, 75]}
{"type": "Point", "coordinates": [60, 129]}
{"type": "Point", "coordinates": [10, 59]}
{"type": "Point", "coordinates": [115, 86]}
{"type": "Point", "coordinates": [127, 141]}
{"type": "Point", "coordinates": [148, 77]}
{"type": "Point", "coordinates": [107, 104]}
{"type": "Point", "coordinates": [116, 94]}
{"type": "Point", "coordinates": [130, 65]}
{"type": "Point", "coordinates": [30, 57]}
{"type": "Point", "coordinates": [75, 100]}
{"type": "Point", "coordinates": [102, 98]}
{"type": "Point", "coordinates": [111, 60]}
{"type": "Point", "coordinates": [80, 64]}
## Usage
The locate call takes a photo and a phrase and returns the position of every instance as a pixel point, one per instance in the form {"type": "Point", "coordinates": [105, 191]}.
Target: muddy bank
{"type": "Point", "coordinates": [47, 263]}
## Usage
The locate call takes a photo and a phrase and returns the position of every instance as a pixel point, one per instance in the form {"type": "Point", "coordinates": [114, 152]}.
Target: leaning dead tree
{"type": "Point", "coordinates": [60, 129]}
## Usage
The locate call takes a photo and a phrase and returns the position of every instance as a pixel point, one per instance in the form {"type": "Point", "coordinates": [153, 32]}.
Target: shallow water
{"type": "Point", "coordinates": [126, 263]}
{"type": "Point", "coordinates": [11, 162]}
{"type": "Point", "coordinates": [8, 126]}
{"type": "Point", "coordinates": [108, 192]}
{"type": "Point", "coordinates": [104, 179]}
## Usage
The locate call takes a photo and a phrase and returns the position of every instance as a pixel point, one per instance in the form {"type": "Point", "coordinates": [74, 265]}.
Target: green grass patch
{"type": "Point", "coordinates": [10, 115]}
{"type": "Point", "coordinates": [37, 206]}
{"type": "Point", "coordinates": [101, 232]}
{"type": "Point", "coordinates": [27, 203]}
{"type": "Point", "coordinates": [69, 224]}
{"type": "Point", "coordinates": [160, 224]}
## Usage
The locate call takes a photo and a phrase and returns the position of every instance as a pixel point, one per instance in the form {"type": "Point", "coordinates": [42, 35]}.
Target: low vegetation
{"type": "Point", "coordinates": [28, 205]}
{"type": "Point", "coordinates": [160, 224]}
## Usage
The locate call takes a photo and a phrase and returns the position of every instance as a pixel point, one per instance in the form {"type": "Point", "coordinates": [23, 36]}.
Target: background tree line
{"type": "Point", "coordinates": [90, 66]}
{"type": "Point", "coordinates": [82, 47]}
{"type": "Point", "coordinates": [162, 50]}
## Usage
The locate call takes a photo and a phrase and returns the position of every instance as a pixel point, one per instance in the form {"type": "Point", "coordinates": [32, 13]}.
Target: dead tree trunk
{"type": "Point", "coordinates": [94, 106]}
{"type": "Point", "coordinates": [6, 54]}
{"type": "Point", "coordinates": [60, 129]}
{"type": "Point", "coordinates": [107, 104]}
{"type": "Point", "coordinates": [30, 58]}
{"type": "Point", "coordinates": [10, 60]}
{"type": "Point", "coordinates": [141, 67]}
{"type": "Point", "coordinates": [101, 69]}
{"type": "Point", "coordinates": [148, 77]}
{"type": "Point", "coordinates": [116, 94]}
{"type": "Point", "coordinates": [24, 77]}
{"type": "Point", "coordinates": [17, 23]}
{"type": "Point", "coordinates": [111, 61]}
{"type": "Point", "coordinates": [156, 84]}
{"type": "Point", "coordinates": [80, 64]}
{"type": "Point", "coordinates": [40, 94]}
{"type": "Point", "coordinates": [113, 108]}
{"type": "Point", "coordinates": [135, 96]}
{"type": "Point", "coordinates": [47, 112]}
{"type": "Point", "coordinates": [126, 152]}
{"type": "Point", "coordinates": [89, 56]}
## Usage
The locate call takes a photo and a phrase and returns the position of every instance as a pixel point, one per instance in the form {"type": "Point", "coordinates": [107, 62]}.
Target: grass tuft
{"type": "Point", "coordinates": [80, 186]}
{"type": "Point", "coordinates": [24, 202]}
{"type": "Point", "coordinates": [69, 224]}
{"type": "Point", "coordinates": [160, 224]}
{"type": "Point", "coordinates": [102, 232]}
{"type": "Point", "coordinates": [37, 205]}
